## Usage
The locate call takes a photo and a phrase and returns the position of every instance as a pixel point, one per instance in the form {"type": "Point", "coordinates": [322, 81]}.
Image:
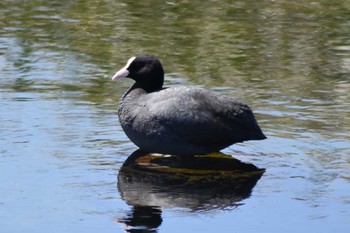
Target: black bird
{"type": "Point", "coordinates": [182, 121]}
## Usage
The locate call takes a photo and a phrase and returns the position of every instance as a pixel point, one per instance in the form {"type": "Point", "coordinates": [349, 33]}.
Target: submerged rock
{"type": "Point", "coordinates": [203, 182]}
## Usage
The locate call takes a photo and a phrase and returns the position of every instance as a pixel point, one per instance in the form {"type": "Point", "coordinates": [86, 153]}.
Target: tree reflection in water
{"type": "Point", "coordinates": [150, 182]}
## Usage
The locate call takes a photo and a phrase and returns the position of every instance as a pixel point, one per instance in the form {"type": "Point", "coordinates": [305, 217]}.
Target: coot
{"type": "Point", "coordinates": [182, 121]}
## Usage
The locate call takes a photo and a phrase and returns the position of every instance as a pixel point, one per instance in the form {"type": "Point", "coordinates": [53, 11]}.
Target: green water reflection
{"type": "Point", "coordinates": [290, 54]}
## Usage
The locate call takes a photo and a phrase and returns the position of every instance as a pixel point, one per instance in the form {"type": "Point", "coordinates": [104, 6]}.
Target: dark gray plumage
{"type": "Point", "coordinates": [180, 120]}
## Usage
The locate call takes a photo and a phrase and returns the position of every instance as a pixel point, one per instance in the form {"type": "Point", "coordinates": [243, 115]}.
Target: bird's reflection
{"type": "Point", "coordinates": [150, 182]}
{"type": "Point", "coordinates": [142, 219]}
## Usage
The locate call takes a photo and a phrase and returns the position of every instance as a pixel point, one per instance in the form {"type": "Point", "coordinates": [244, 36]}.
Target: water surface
{"type": "Point", "coordinates": [61, 145]}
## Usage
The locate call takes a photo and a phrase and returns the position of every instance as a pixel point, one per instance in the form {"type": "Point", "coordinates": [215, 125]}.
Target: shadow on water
{"type": "Point", "coordinates": [150, 182]}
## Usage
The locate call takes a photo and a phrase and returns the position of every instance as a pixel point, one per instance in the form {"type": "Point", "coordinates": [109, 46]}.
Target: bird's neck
{"type": "Point", "coordinates": [133, 92]}
{"type": "Point", "coordinates": [150, 86]}
{"type": "Point", "coordinates": [144, 87]}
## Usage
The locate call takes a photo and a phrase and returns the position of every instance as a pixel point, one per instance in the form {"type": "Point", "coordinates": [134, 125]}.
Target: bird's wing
{"type": "Point", "coordinates": [200, 116]}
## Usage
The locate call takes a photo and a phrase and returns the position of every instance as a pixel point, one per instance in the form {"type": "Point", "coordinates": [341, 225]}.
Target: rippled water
{"type": "Point", "coordinates": [62, 148]}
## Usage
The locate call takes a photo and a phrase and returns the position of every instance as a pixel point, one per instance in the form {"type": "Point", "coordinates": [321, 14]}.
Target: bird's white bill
{"type": "Point", "coordinates": [120, 74]}
{"type": "Point", "coordinates": [124, 71]}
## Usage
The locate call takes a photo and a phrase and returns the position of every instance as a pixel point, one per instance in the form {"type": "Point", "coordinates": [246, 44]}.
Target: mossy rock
{"type": "Point", "coordinates": [200, 179]}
